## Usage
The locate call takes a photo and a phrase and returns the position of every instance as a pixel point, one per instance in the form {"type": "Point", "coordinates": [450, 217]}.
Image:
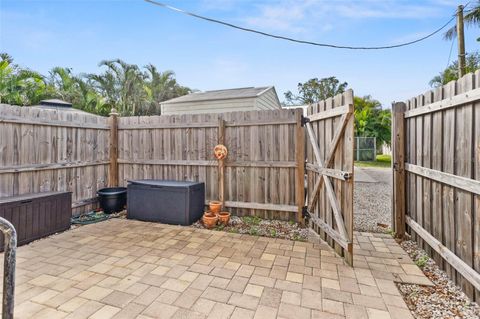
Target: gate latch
{"type": "Point", "coordinates": [305, 120]}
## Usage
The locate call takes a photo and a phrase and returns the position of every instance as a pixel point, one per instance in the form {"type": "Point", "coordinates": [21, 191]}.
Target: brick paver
{"type": "Point", "coordinates": [131, 269]}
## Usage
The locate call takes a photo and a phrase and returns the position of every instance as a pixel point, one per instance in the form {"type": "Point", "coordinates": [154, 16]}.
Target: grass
{"type": "Point", "coordinates": [382, 161]}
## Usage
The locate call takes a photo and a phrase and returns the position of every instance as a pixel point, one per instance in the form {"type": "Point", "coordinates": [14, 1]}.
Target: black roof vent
{"type": "Point", "coordinates": [55, 103]}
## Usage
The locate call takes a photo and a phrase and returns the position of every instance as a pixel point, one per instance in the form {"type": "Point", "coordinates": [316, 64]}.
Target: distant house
{"type": "Point", "coordinates": [219, 101]}
{"type": "Point", "coordinates": [304, 107]}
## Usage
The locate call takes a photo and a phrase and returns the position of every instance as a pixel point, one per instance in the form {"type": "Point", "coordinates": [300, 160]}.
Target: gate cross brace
{"type": "Point", "coordinates": [328, 161]}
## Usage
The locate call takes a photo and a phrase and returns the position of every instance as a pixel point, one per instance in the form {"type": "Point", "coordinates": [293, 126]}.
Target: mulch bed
{"type": "Point", "coordinates": [444, 300]}
{"type": "Point", "coordinates": [257, 226]}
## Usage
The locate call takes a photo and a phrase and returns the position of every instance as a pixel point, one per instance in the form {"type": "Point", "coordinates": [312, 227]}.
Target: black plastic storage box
{"type": "Point", "coordinates": [170, 202]}
{"type": "Point", "coordinates": [37, 215]}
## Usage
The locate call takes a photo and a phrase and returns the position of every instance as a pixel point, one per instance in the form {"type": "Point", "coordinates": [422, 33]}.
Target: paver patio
{"type": "Point", "coordinates": [130, 269]}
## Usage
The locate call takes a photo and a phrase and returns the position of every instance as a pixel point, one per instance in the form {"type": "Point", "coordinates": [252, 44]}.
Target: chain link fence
{"type": "Point", "coordinates": [365, 148]}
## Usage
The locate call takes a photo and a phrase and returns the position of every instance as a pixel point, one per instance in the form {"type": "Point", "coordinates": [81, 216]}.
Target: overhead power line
{"type": "Point", "coordinates": [328, 45]}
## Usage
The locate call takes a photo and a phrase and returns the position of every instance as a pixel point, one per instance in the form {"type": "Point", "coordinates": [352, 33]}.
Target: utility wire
{"type": "Point", "coordinates": [328, 45]}
{"type": "Point", "coordinates": [450, 54]}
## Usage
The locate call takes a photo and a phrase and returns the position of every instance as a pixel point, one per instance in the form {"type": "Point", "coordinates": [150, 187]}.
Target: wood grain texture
{"type": "Point", "coordinates": [261, 167]}
{"type": "Point", "coordinates": [398, 148]}
{"type": "Point", "coordinates": [442, 175]}
{"type": "Point", "coordinates": [53, 150]}
{"type": "Point", "coordinates": [330, 147]}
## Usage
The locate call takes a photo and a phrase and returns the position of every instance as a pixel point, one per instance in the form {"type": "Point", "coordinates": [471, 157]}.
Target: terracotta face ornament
{"type": "Point", "coordinates": [220, 151]}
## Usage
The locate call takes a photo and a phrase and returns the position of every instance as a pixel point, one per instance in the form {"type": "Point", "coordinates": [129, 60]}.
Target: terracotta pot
{"type": "Point", "coordinates": [215, 206]}
{"type": "Point", "coordinates": [209, 220]}
{"type": "Point", "coordinates": [224, 217]}
{"type": "Point", "coordinates": [209, 214]}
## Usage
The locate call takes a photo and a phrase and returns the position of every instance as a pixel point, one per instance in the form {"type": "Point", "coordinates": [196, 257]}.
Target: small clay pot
{"type": "Point", "coordinates": [209, 214]}
{"type": "Point", "coordinates": [215, 206]}
{"type": "Point", "coordinates": [209, 220]}
{"type": "Point", "coordinates": [224, 217]}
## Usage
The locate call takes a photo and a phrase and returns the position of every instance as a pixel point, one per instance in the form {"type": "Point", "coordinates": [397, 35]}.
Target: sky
{"type": "Point", "coordinates": [205, 56]}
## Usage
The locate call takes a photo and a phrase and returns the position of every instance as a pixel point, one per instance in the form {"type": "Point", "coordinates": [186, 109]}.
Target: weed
{"type": "Point", "coordinates": [253, 231]}
{"type": "Point", "coordinates": [422, 261]}
{"type": "Point", "coordinates": [273, 233]}
{"type": "Point", "coordinates": [252, 220]}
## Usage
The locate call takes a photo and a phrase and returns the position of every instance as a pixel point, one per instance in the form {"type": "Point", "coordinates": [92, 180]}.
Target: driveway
{"type": "Point", "coordinates": [372, 199]}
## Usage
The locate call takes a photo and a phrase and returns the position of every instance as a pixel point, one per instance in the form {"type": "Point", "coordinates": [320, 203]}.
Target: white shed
{"type": "Point", "coordinates": [219, 101]}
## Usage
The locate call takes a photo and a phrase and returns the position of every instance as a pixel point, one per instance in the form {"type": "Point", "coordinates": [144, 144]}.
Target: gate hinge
{"type": "Point", "coordinates": [347, 175]}
{"type": "Point", "coordinates": [305, 120]}
{"type": "Point", "coordinates": [305, 213]}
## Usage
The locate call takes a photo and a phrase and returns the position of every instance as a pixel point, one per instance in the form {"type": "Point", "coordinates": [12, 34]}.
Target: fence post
{"type": "Point", "coordinates": [113, 149]}
{"type": "Point", "coordinates": [398, 165]}
{"type": "Point", "coordinates": [357, 145]}
{"type": "Point", "coordinates": [300, 158]}
{"type": "Point", "coordinates": [221, 163]}
{"type": "Point", "coordinates": [9, 264]}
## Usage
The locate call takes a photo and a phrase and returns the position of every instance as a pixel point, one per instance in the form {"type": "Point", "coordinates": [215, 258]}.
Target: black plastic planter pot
{"type": "Point", "coordinates": [112, 199]}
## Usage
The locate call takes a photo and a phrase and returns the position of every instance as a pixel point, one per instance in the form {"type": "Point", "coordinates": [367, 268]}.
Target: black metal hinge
{"type": "Point", "coordinates": [305, 213]}
{"type": "Point", "coordinates": [305, 120]}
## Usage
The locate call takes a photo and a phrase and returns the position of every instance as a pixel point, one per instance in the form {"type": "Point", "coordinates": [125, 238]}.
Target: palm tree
{"type": "Point", "coordinates": [64, 84]}
{"type": "Point", "coordinates": [19, 86]}
{"type": "Point", "coordinates": [159, 87]}
{"type": "Point", "coordinates": [471, 18]}
{"type": "Point", "coordinates": [122, 86]}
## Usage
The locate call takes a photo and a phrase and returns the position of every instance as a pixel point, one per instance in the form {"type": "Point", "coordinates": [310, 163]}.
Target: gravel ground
{"type": "Point", "coordinates": [262, 227]}
{"type": "Point", "coordinates": [444, 300]}
{"type": "Point", "coordinates": [372, 203]}
{"type": "Point", "coordinates": [373, 214]}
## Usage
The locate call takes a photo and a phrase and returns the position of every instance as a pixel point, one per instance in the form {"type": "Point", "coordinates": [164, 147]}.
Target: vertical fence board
{"type": "Point", "coordinates": [326, 129]}
{"type": "Point", "coordinates": [53, 150]}
{"type": "Point", "coordinates": [180, 147]}
{"type": "Point", "coordinates": [446, 140]}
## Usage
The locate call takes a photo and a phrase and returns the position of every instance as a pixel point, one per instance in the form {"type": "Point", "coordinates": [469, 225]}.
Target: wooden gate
{"type": "Point", "coordinates": [330, 129]}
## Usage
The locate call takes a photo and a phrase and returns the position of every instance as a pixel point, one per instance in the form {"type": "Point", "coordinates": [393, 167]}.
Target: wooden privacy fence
{"type": "Point", "coordinates": [263, 173]}
{"type": "Point", "coordinates": [330, 127]}
{"type": "Point", "coordinates": [48, 150]}
{"type": "Point", "coordinates": [45, 150]}
{"type": "Point", "coordinates": [436, 155]}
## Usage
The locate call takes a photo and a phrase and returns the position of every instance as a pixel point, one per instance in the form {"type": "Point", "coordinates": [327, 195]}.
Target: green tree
{"type": "Point", "coordinates": [159, 87]}
{"type": "Point", "coordinates": [126, 87]}
{"type": "Point", "coordinates": [122, 85]}
{"type": "Point", "coordinates": [19, 86]}
{"type": "Point", "coordinates": [451, 72]}
{"type": "Point", "coordinates": [315, 90]}
{"type": "Point", "coordinates": [371, 120]}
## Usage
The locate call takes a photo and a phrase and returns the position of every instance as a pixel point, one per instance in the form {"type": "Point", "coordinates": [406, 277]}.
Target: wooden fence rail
{"type": "Point", "coordinates": [262, 175]}
{"type": "Point", "coordinates": [49, 150]}
{"type": "Point", "coordinates": [45, 150]}
{"type": "Point", "coordinates": [436, 154]}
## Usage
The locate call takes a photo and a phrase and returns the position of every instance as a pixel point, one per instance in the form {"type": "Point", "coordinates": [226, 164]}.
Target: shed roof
{"type": "Point", "coordinates": [239, 93]}
{"type": "Point", "coordinates": [55, 102]}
